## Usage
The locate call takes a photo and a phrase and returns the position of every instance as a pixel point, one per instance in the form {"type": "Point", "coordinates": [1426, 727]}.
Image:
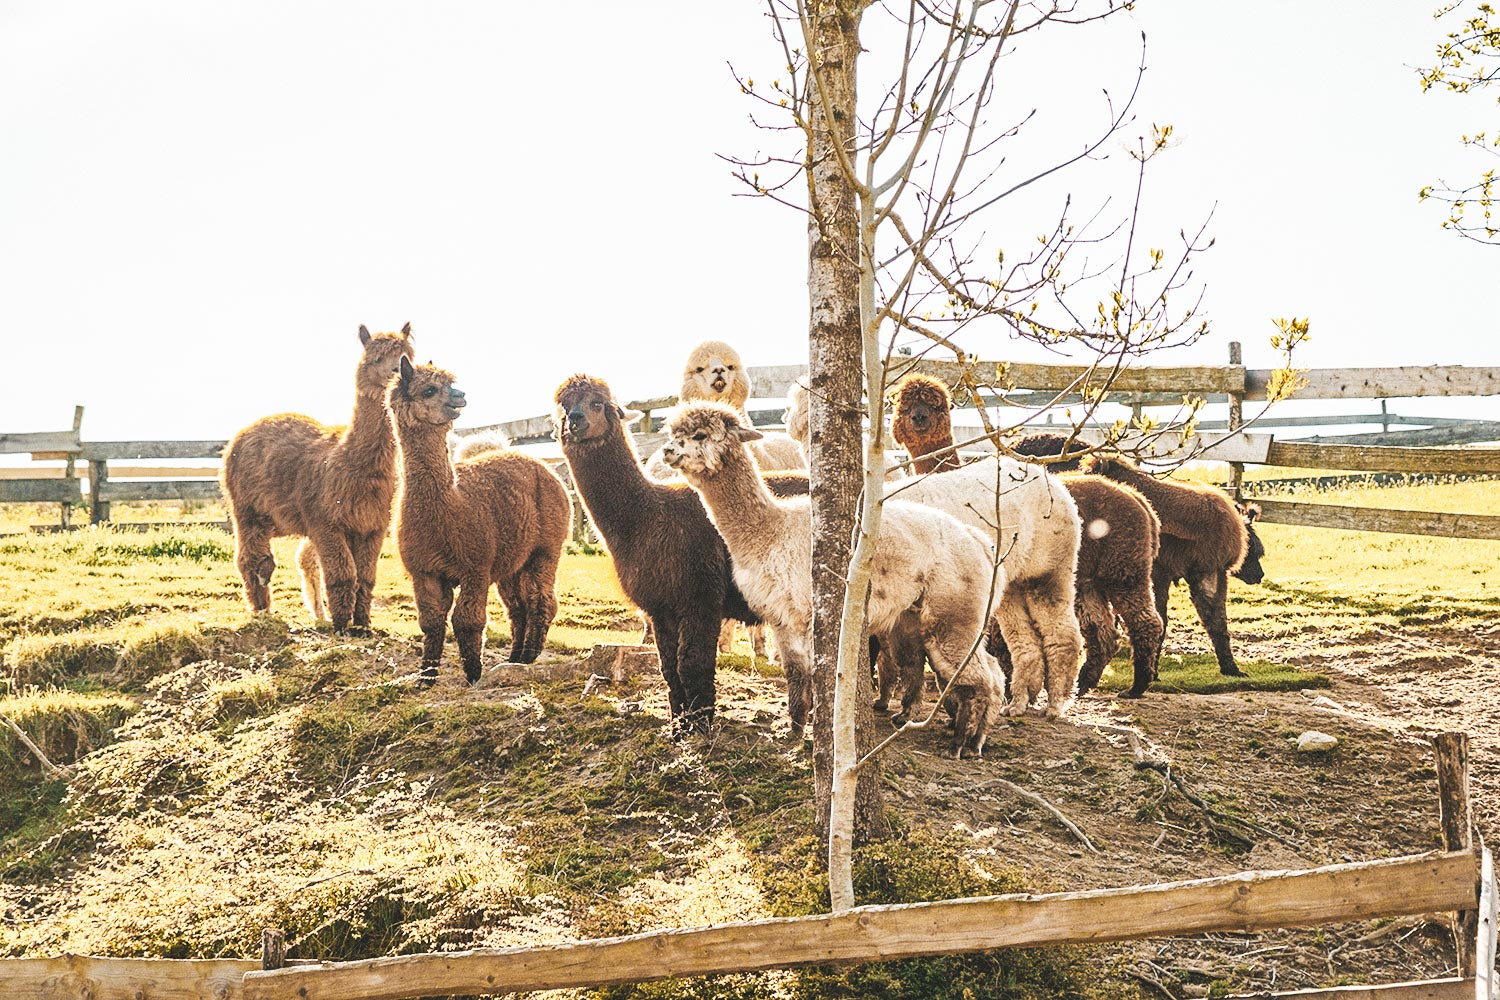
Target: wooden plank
{"type": "Point", "coordinates": [109, 451]}
{"type": "Point", "coordinates": [40, 491]}
{"type": "Point", "coordinates": [73, 976]}
{"type": "Point", "coordinates": [1400, 522]}
{"type": "Point", "coordinates": [112, 490]}
{"type": "Point", "coordinates": [1167, 447]}
{"type": "Point", "coordinates": [1241, 902]}
{"type": "Point", "coordinates": [1371, 458]}
{"type": "Point", "coordinates": [1182, 380]}
{"type": "Point", "coordinates": [1383, 383]}
{"type": "Point", "coordinates": [15, 444]}
{"type": "Point", "coordinates": [1428, 989]}
{"type": "Point", "coordinates": [1456, 432]}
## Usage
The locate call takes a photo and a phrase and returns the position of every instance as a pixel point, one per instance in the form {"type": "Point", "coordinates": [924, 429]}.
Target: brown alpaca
{"type": "Point", "coordinates": [290, 475]}
{"type": "Point", "coordinates": [500, 518]}
{"type": "Point", "coordinates": [1116, 553]}
{"type": "Point", "coordinates": [922, 425]}
{"type": "Point", "coordinates": [1204, 538]}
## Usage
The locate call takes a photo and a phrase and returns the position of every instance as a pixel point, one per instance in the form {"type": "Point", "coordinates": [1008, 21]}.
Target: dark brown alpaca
{"type": "Point", "coordinates": [499, 518]}
{"type": "Point", "coordinates": [1204, 538]}
{"type": "Point", "coordinates": [290, 475]}
{"type": "Point", "coordinates": [1116, 552]}
{"type": "Point", "coordinates": [670, 560]}
{"type": "Point", "coordinates": [921, 423]}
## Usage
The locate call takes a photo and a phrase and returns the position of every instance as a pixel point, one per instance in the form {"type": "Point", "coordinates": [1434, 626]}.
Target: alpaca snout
{"type": "Point", "coordinates": [1251, 573]}
{"type": "Point", "coordinates": [720, 382]}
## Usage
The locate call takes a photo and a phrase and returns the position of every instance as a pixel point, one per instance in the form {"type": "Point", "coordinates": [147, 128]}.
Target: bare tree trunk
{"type": "Point", "coordinates": [836, 359]}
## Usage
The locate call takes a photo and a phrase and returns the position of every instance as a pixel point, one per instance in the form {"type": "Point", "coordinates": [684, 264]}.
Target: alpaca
{"type": "Point", "coordinates": [290, 475]}
{"type": "Point", "coordinates": [1204, 538]}
{"type": "Point", "coordinates": [799, 429]}
{"type": "Point", "coordinates": [922, 424]}
{"type": "Point", "coordinates": [714, 372]}
{"type": "Point", "coordinates": [467, 446]}
{"type": "Point", "coordinates": [671, 562]}
{"type": "Point", "coordinates": [1119, 546]}
{"type": "Point", "coordinates": [499, 518]}
{"type": "Point", "coordinates": [1032, 522]}
{"type": "Point", "coordinates": [770, 540]}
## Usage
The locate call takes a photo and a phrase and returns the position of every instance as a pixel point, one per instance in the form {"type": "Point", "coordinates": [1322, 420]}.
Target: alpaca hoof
{"type": "Point", "coordinates": [882, 704]}
{"type": "Point", "coordinates": [1231, 671]}
{"type": "Point", "coordinates": [472, 672]}
{"type": "Point", "coordinates": [1013, 709]}
{"type": "Point", "coordinates": [1132, 694]}
{"type": "Point", "coordinates": [360, 631]}
{"type": "Point", "coordinates": [900, 719]}
{"type": "Point", "coordinates": [429, 675]}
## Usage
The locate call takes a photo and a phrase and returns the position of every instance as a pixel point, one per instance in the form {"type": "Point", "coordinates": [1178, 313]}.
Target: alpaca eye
{"type": "Point", "coordinates": [701, 436]}
{"type": "Point", "coordinates": [699, 370]}
{"type": "Point", "coordinates": [429, 392]}
{"type": "Point", "coordinates": [729, 367]}
{"type": "Point", "coordinates": [596, 405]}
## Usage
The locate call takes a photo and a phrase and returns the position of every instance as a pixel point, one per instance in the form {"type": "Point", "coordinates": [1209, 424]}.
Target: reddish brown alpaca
{"type": "Point", "coordinates": [290, 475]}
{"type": "Point", "coordinates": [921, 424]}
{"type": "Point", "coordinates": [500, 518]}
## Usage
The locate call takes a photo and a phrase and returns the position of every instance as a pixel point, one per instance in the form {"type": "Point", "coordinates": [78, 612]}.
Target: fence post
{"type": "Point", "coordinates": [98, 476]}
{"type": "Point", "coordinates": [70, 472]}
{"type": "Point", "coordinates": [272, 949]}
{"type": "Point", "coordinates": [1236, 421]}
{"type": "Point", "coordinates": [1451, 761]}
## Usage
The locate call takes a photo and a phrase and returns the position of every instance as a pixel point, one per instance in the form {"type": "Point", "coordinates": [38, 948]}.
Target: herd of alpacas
{"type": "Point", "coordinates": [1007, 577]}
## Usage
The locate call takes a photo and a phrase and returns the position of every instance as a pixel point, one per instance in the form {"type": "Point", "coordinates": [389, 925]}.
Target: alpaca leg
{"type": "Point", "coordinates": [252, 554]}
{"type": "Point", "coordinates": [434, 599]}
{"type": "Point", "coordinates": [1028, 662]}
{"type": "Point", "coordinates": [727, 629]}
{"type": "Point", "coordinates": [1161, 589]}
{"type": "Point", "coordinates": [1137, 608]}
{"type": "Point", "coordinates": [763, 644]}
{"type": "Point", "coordinates": [513, 595]}
{"type": "Point", "coordinates": [1100, 640]}
{"type": "Point", "coordinates": [469, 619]}
{"type": "Point", "coordinates": [1210, 593]}
{"type": "Point", "coordinates": [339, 579]}
{"type": "Point", "coordinates": [366, 551]}
{"type": "Point", "coordinates": [906, 662]}
{"type": "Point", "coordinates": [648, 631]}
{"type": "Point", "coordinates": [697, 658]}
{"type": "Point", "coordinates": [994, 644]}
{"type": "Point", "coordinates": [799, 693]}
{"type": "Point", "coordinates": [1051, 610]}
{"type": "Point", "coordinates": [541, 602]}
{"type": "Point", "coordinates": [665, 626]}
{"type": "Point", "coordinates": [312, 581]}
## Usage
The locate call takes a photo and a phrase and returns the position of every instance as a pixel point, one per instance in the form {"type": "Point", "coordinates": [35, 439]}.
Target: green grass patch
{"type": "Point", "coordinates": [1198, 673]}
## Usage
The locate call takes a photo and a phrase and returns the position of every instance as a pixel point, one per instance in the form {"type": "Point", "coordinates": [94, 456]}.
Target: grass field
{"type": "Point", "coordinates": [259, 771]}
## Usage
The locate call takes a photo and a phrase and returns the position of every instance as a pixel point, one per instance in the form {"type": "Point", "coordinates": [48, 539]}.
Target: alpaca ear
{"type": "Point", "coordinates": [627, 417]}
{"type": "Point", "coordinates": [406, 331]}
{"type": "Point", "coordinates": [364, 335]}
{"type": "Point", "coordinates": [1250, 510]}
{"type": "Point", "coordinates": [406, 370]}
{"type": "Point", "coordinates": [746, 434]}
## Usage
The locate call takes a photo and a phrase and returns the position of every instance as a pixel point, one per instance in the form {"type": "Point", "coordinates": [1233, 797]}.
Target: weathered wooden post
{"type": "Point", "coordinates": [272, 949]}
{"type": "Point", "coordinates": [70, 470]}
{"type": "Point", "coordinates": [98, 476]}
{"type": "Point", "coordinates": [1451, 761]}
{"type": "Point", "coordinates": [1236, 421]}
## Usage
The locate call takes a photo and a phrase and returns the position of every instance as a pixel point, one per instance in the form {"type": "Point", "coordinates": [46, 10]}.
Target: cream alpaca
{"type": "Point", "coordinates": [770, 542]}
{"type": "Point", "coordinates": [1032, 521]}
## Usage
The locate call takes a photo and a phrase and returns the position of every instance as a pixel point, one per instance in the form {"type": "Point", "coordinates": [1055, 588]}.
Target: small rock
{"type": "Point", "coordinates": [1323, 701]}
{"type": "Point", "coordinates": [1313, 741]}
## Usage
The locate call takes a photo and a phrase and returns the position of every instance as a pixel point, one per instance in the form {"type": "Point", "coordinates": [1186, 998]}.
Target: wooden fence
{"type": "Point", "coordinates": [1438, 882]}
{"type": "Point", "coordinates": [1405, 444]}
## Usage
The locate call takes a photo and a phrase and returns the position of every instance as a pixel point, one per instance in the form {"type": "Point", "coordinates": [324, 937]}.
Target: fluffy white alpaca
{"type": "Point", "coordinates": [714, 372]}
{"type": "Point", "coordinates": [1031, 519]}
{"type": "Point", "coordinates": [770, 542]}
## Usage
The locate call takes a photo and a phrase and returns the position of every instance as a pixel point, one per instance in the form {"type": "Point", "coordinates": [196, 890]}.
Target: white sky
{"type": "Point", "coordinates": [201, 202]}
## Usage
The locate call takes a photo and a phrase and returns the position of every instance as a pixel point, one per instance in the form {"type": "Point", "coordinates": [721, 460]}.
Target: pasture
{"type": "Point", "coordinates": [263, 772]}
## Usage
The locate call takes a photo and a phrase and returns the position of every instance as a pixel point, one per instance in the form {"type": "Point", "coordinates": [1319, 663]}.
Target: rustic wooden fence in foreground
{"type": "Point", "coordinates": [1438, 882]}
{"type": "Point", "coordinates": [1413, 447]}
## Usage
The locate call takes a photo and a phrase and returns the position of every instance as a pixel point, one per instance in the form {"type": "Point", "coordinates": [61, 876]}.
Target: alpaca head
{"type": "Point", "coordinates": [797, 427]}
{"type": "Point", "coordinates": [714, 372]}
{"type": "Point", "coordinates": [1048, 446]}
{"type": "Point", "coordinates": [383, 353]}
{"type": "Point", "coordinates": [1250, 569]}
{"type": "Point", "coordinates": [921, 413]}
{"type": "Point", "coordinates": [423, 395]}
{"type": "Point", "coordinates": [702, 437]}
{"type": "Point", "coordinates": [587, 411]}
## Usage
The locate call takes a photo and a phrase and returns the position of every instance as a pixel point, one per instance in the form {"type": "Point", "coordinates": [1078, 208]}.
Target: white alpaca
{"type": "Point", "coordinates": [1032, 521]}
{"type": "Point", "coordinates": [715, 373]}
{"type": "Point", "coordinates": [770, 543]}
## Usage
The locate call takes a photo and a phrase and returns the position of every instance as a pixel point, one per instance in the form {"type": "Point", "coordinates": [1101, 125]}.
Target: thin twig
{"type": "Point", "coordinates": [1036, 799]}
{"type": "Point", "coordinates": [52, 769]}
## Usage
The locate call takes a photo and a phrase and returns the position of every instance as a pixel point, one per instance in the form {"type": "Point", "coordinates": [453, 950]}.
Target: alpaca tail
{"type": "Point", "coordinates": [474, 444]}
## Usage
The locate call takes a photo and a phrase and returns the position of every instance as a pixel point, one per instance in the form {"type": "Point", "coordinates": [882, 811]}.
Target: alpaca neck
{"type": "Point", "coordinates": [369, 442]}
{"type": "Point", "coordinates": [744, 510]}
{"type": "Point", "coordinates": [942, 463]}
{"type": "Point", "coordinates": [426, 470]}
{"type": "Point", "coordinates": [611, 480]}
